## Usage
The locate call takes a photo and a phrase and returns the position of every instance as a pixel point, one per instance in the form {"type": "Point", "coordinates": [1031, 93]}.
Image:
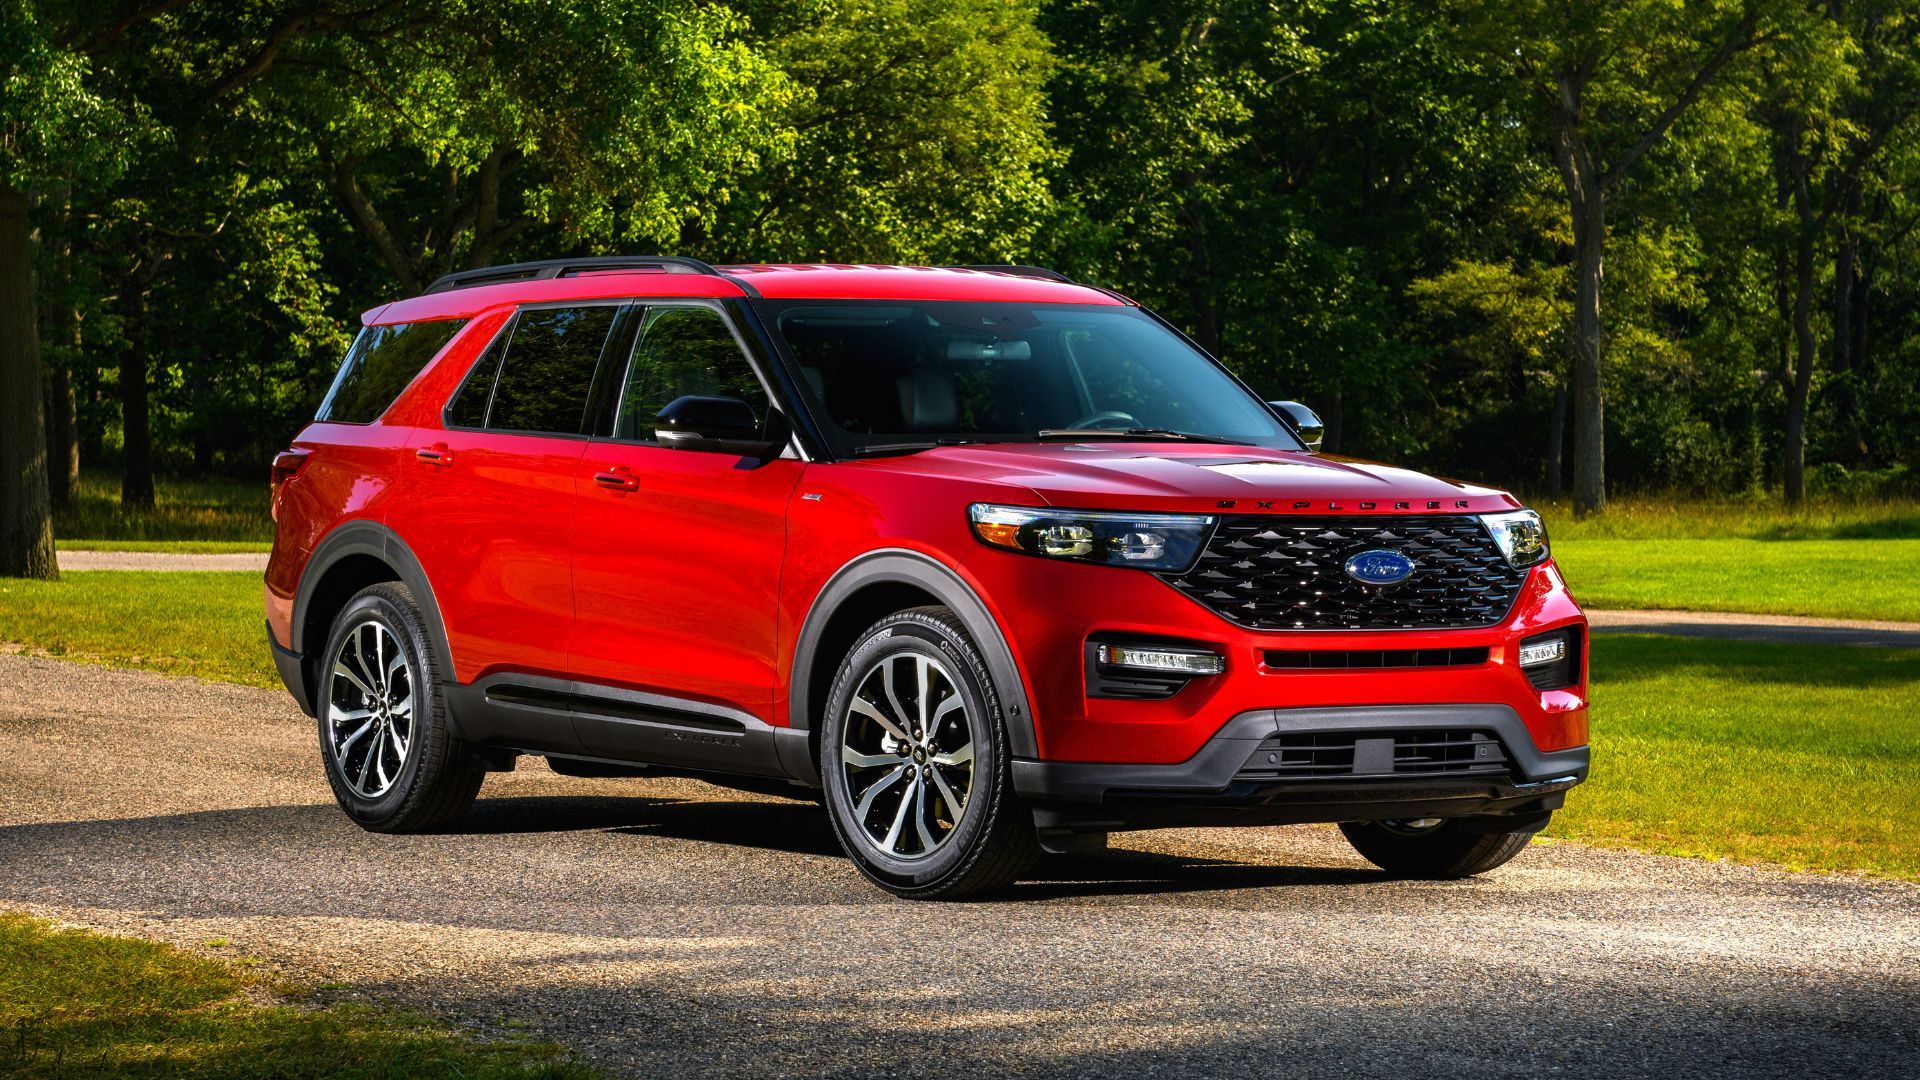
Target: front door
{"type": "Point", "coordinates": [677, 552]}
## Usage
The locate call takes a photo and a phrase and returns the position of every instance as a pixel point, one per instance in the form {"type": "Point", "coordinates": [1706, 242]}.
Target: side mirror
{"type": "Point", "coordinates": [716, 424]}
{"type": "Point", "coordinates": [1304, 422]}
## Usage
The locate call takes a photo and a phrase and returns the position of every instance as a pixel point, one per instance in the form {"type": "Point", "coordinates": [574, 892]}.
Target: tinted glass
{"type": "Point", "coordinates": [891, 372]}
{"type": "Point", "coordinates": [683, 351]}
{"type": "Point", "coordinates": [469, 405]}
{"type": "Point", "coordinates": [382, 361]}
{"type": "Point", "coordinates": [547, 374]}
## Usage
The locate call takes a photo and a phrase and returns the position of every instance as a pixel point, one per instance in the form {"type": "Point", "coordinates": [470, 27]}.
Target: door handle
{"type": "Point", "coordinates": [617, 479]}
{"type": "Point", "coordinates": [437, 454]}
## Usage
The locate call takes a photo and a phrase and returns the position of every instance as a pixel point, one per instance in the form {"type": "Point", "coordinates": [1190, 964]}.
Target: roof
{"type": "Point", "coordinates": [773, 281]}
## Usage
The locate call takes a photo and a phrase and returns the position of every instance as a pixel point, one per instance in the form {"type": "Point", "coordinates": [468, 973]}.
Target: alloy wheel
{"type": "Point", "coordinates": [370, 718]}
{"type": "Point", "coordinates": [907, 756]}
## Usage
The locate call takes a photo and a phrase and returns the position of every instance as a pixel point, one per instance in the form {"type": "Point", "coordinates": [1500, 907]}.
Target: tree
{"type": "Point", "coordinates": [916, 132]}
{"type": "Point", "coordinates": [1608, 82]}
{"type": "Point", "coordinates": [50, 116]}
{"type": "Point", "coordinates": [448, 132]}
{"type": "Point", "coordinates": [1837, 94]}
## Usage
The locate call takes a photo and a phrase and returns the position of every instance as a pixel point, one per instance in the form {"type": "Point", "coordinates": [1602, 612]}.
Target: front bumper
{"type": "Point", "coordinates": [1237, 777]}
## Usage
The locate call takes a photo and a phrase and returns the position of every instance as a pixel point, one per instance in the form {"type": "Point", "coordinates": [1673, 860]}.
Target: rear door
{"type": "Point", "coordinates": [490, 510]}
{"type": "Point", "coordinates": [676, 564]}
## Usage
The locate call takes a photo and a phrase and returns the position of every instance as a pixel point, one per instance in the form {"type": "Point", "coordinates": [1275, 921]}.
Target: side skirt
{"type": "Point", "coordinates": [540, 715]}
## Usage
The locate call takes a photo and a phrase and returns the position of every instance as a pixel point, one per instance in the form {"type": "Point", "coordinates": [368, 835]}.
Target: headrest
{"type": "Point", "coordinates": [927, 401]}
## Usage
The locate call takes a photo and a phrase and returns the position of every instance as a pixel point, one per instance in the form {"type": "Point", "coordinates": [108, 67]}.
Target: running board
{"type": "Point", "coordinates": [541, 715]}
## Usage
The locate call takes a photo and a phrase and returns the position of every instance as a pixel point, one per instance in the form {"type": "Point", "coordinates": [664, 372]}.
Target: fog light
{"type": "Point", "coordinates": [1535, 653]}
{"type": "Point", "coordinates": [1173, 661]}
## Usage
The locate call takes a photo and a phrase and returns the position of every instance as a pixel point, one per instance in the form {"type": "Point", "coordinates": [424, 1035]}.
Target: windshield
{"type": "Point", "coordinates": [887, 375]}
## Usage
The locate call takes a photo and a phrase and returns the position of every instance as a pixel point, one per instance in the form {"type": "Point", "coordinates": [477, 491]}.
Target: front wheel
{"type": "Point", "coordinates": [914, 754]}
{"type": "Point", "coordinates": [1433, 848]}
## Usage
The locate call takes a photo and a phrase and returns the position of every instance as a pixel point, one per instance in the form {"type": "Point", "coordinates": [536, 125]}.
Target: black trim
{"type": "Point", "coordinates": [1018, 270]}
{"type": "Point", "coordinates": [364, 537]}
{"type": "Point", "coordinates": [541, 269]}
{"type": "Point", "coordinates": [536, 714]}
{"type": "Point", "coordinates": [292, 667]}
{"type": "Point", "coordinates": [1374, 659]}
{"type": "Point", "coordinates": [899, 565]}
{"type": "Point", "coordinates": [1208, 787]}
{"type": "Point", "coordinates": [776, 365]}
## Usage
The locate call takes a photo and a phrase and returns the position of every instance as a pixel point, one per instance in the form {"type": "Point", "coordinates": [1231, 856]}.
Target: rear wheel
{"type": "Point", "coordinates": [1434, 848]}
{"type": "Point", "coordinates": [914, 754]}
{"type": "Point", "coordinates": [391, 759]}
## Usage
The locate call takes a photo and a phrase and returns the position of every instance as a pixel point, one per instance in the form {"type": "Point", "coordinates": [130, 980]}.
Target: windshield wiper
{"type": "Point", "coordinates": [1076, 434]}
{"type": "Point", "coordinates": [881, 449]}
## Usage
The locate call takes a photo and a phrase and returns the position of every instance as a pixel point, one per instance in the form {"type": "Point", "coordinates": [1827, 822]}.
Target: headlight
{"type": "Point", "coordinates": [1521, 536]}
{"type": "Point", "coordinates": [1147, 541]}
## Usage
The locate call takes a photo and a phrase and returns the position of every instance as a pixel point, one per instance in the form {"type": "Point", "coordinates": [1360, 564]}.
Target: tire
{"type": "Point", "coordinates": [1448, 850]}
{"type": "Point", "coordinates": [422, 778]}
{"type": "Point", "coordinates": [912, 845]}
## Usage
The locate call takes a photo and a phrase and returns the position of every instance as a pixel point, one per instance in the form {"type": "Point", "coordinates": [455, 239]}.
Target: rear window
{"type": "Point", "coordinates": [382, 361]}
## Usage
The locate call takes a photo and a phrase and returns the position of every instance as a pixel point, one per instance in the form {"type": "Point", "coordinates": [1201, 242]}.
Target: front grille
{"type": "Point", "coordinates": [1309, 755]}
{"type": "Point", "coordinates": [1288, 573]}
{"type": "Point", "coordinates": [1373, 659]}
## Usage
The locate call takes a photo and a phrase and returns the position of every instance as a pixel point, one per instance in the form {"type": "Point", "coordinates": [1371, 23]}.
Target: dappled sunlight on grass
{"type": "Point", "coordinates": [182, 510]}
{"type": "Point", "coordinates": [1802, 755]}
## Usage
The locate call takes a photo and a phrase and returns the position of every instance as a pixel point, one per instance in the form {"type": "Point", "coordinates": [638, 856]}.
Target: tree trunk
{"type": "Point", "coordinates": [1557, 444]}
{"type": "Point", "coordinates": [1846, 261]}
{"type": "Point", "coordinates": [1794, 471]}
{"type": "Point", "coordinates": [26, 523]}
{"type": "Point", "coordinates": [1588, 393]}
{"type": "Point", "coordinates": [1333, 415]}
{"type": "Point", "coordinates": [136, 460]}
{"type": "Point", "coordinates": [63, 443]}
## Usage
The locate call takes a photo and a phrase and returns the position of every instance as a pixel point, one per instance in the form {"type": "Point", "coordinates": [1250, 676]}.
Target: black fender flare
{"type": "Point", "coordinates": [903, 566]}
{"type": "Point", "coordinates": [364, 537]}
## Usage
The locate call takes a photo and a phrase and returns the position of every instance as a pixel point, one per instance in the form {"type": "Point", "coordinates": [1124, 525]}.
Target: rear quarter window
{"type": "Point", "coordinates": [382, 361]}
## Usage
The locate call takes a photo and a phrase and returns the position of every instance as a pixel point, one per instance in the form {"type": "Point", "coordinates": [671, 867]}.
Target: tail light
{"type": "Point", "coordinates": [286, 465]}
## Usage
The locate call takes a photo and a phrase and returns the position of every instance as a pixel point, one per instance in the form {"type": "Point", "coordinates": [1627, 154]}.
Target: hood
{"type": "Point", "coordinates": [1196, 476]}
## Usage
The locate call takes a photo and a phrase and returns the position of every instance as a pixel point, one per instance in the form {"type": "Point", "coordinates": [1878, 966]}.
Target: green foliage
{"type": "Point", "coordinates": [1355, 202]}
{"type": "Point", "coordinates": [918, 134]}
{"type": "Point", "coordinates": [77, 1003]}
{"type": "Point", "coordinates": [54, 122]}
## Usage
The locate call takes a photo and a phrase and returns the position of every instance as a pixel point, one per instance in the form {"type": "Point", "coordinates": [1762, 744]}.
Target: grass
{"type": "Point", "coordinates": [209, 624]}
{"type": "Point", "coordinates": [197, 510]}
{"type": "Point", "coordinates": [1747, 517]}
{"type": "Point", "coordinates": [1833, 558]}
{"type": "Point", "coordinates": [76, 1003]}
{"type": "Point", "coordinates": [1843, 579]}
{"type": "Point", "coordinates": [1805, 756]}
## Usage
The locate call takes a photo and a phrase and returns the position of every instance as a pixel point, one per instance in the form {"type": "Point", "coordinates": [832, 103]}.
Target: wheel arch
{"type": "Point", "coordinates": [348, 559]}
{"type": "Point", "coordinates": [876, 585]}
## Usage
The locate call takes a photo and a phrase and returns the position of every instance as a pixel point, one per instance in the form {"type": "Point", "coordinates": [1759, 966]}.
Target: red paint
{"type": "Point", "coordinates": [684, 573]}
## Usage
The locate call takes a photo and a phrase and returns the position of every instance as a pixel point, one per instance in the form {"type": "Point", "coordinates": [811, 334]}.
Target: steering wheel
{"type": "Point", "coordinates": [1107, 418]}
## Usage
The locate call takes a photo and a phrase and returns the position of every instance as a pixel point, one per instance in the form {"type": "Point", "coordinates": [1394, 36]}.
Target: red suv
{"type": "Point", "coordinates": [995, 562]}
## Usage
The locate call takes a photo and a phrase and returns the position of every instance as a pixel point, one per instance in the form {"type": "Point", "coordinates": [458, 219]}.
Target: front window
{"type": "Point", "coordinates": [906, 374]}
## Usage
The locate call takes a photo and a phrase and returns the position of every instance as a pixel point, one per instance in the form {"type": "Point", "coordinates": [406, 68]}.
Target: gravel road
{"type": "Point", "coordinates": [665, 927]}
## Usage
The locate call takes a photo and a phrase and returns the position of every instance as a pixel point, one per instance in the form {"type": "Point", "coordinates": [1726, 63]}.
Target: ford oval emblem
{"type": "Point", "coordinates": [1379, 567]}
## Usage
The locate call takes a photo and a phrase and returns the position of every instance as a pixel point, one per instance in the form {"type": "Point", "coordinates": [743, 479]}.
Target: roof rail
{"type": "Point", "coordinates": [553, 268]}
{"type": "Point", "coordinates": [1018, 270]}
